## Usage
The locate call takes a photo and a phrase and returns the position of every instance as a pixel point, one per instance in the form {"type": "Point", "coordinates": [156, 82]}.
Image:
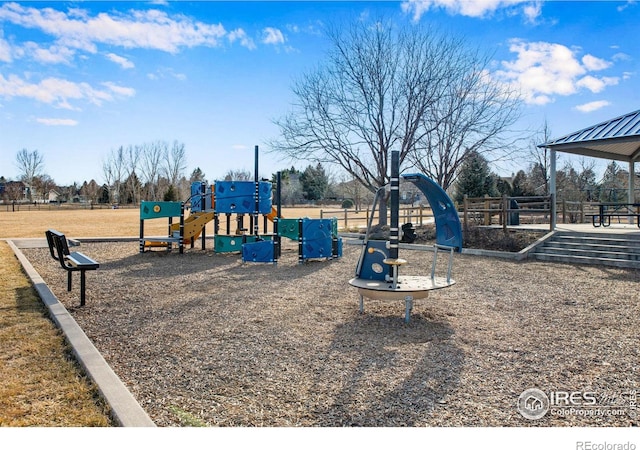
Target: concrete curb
{"type": "Point", "coordinates": [124, 408]}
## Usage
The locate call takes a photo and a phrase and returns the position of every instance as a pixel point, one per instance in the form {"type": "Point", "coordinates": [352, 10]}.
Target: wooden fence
{"type": "Point", "coordinates": [507, 211]}
{"type": "Point", "coordinates": [351, 218]}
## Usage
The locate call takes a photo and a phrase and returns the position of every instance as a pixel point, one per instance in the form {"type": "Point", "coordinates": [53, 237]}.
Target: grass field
{"type": "Point", "coordinates": [96, 223]}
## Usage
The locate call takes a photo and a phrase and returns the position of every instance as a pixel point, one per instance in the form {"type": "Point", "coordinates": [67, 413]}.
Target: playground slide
{"type": "Point", "coordinates": [273, 214]}
{"type": "Point", "coordinates": [193, 225]}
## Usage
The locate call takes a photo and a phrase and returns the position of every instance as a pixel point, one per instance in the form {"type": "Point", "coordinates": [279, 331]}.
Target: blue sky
{"type": "Point", "coordinates": [79, 79]}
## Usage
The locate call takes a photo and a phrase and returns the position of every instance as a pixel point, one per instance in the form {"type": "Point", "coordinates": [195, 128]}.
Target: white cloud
{"type": "Point", "coordinates": [58, 92]}
{"type": "Point", "coordinates": [626, 5]}
{"type": "Point", "coordinates": [272, 36]}
{"type": "Point", "coordinates": [54, 54]}
{"type": "Point", "coordinates": [166, 73]}
{"type": "Point", "coordinates": [596, 85]}
{"type": "Point", "coordinates": [532, 11]}
{"type": "Point", "coordinates": [5, 50]}
{"type": "Point", "coordinates": [151, 29]}
{"type": "Point", "coordinates": [621, 57]}
{"type": "Point", "coordinates": [593, 63]}
{"type": "Point", "coordinates": [58, 122]}
{"type": "Point", "coordinates": [471, 8]}
{"type": "Point", "coordinates": [592, 106]}
{"type": "Point", "coordinates": [120, 90]}
{"type": "Point", "coordinates": [120, 60]}
{"type": "Point", "coordinates": [543, 70]}
{"type": "Point", "coordinates": [240, 35]}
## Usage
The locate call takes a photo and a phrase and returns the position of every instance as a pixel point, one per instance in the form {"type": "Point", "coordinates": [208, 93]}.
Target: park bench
{"type": "Point", "coordinates": [70, 261]}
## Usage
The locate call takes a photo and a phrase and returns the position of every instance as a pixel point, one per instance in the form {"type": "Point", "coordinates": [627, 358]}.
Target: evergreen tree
{"type": "Point", "coordinates": [171, 194]}
{"type": "Point", "coordinates": [612, 186]}
{"type": "Point", "coordinates": [475, 178]}
{"type": "Point", "coordinates": [314, 182]}
{"type": "Point", "coordinates": [197, 175]}
{"type": "Point", "coordinates": [519, 186]}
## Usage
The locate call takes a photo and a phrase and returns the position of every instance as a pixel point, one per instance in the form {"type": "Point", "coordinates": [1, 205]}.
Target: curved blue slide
{"type": "Point", "coordinates": [448, 228]}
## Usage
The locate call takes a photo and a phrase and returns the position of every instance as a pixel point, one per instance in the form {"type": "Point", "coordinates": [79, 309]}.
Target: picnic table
{"type": "Point", "coordinates": [608, 210]}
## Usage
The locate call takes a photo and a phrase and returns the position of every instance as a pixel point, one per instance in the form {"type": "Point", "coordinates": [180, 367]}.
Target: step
{"type": "Point", "coordinates": [633, 240]}
{"type": "Point", "coordinates": [593, 247]}
{"type": "Point", "coordinates": [612, 246]}
{"type": "Point", "coordinates": [551, 257]}
{"type": "Point", "coordinates": [590, 253]}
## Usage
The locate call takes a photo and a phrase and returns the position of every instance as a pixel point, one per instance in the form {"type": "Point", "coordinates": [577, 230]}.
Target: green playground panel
{"type": "Point", "coordinates": [157, 210]}
{"type": "Point", "coordinates": [288, 228]}
{"type": "Point", "coordinates": [232, 243]}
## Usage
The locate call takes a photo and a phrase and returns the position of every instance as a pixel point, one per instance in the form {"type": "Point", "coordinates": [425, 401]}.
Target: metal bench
{"type": "Point", "coordinates": [70, 261]}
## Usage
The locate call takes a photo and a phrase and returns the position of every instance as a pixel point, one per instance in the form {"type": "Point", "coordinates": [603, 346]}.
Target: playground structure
{"type": "Point", "coordinates": [317, 238]}
{"type": "Point", "coordinates": [377, 272]}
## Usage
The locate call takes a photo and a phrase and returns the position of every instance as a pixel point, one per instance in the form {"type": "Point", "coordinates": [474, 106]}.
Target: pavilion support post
{"type": "Point", "coordinates": [552, 187]}
{"type": "Point", "coordinates": [631, 194]}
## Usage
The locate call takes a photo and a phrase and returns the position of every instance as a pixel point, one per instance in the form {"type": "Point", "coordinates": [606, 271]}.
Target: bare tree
{"type": "Point", "coordinates": [42, 184]}
{"type": "Point", "coordinates": [150, 163]}
{"type": "Point", "coordinates": [383, 89]}
{"type": "Point", "coordinates": [238, 175]}
{"type": "Point", "coordinates": [540, 171]}
{"type": "Point", "coordinates": [91, 190]}
{"type": "Point", "coordinates": [30, 165]}
{"type": "Point", "coordinates": [15, 191]}
{"type": "Point", "coordinates": [474, 116]}
{"type": "Point", "coordinates": [113, 169]}
{"type": "Point", "coordinates": [175, 162]}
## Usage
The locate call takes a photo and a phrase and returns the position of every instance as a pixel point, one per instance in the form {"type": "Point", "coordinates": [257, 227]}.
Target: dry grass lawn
{"type": "Point", "coordinates": [78, 223]}
{"type": "Point", "coordinates": [41, 384]}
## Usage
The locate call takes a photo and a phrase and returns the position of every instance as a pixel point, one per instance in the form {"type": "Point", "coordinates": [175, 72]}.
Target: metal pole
{"type": "Point", "coordinates": [279, 193]}
{"type": "Point", "coordinates": [395, 203]}
{"type": "Point", "coordinates": [256, 226]}
{"type": "Point", "coordinates": [552, 188]}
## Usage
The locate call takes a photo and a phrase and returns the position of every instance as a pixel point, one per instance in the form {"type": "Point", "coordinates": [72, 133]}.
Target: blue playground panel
{"type": "Point", "coordinates": [317, 238]}
{"type": "Point", "coordinates": [233, 243]}
{"type": "Point", "coordinates": [238, 197]}
{"type": "Point", "coordinates": [196, 197]}
{"type": "Point", "coordinates": [260, 251]}
{"type": "Point", "coordinates": [372, 266]}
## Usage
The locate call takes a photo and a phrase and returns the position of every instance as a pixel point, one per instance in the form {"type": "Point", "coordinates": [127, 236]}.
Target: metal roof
{"type": "Point", "coordinates": [617, 139]}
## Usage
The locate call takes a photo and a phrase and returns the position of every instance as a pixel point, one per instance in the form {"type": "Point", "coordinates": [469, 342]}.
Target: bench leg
{"type": "Point", "coordinates": [69, 280]}
{"type": "Point", "coordinates": [82, 285]}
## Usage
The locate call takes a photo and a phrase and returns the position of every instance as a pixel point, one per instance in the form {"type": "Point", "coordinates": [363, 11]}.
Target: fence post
{"type": "Point", "coordinates": [421, 214]}
{"type": "Point", "coordinates": [465, 207]}
{"type": "Point", "coordinates": [321, 214]}
{"type": "Point", "coordinates": [505, 208]}
{"type": "Point", "coordinates": [564, 211]}
{"type": "Point", "coordinates": [487, 212]}
{"type": "Point", "coordinates": [345, 218]}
